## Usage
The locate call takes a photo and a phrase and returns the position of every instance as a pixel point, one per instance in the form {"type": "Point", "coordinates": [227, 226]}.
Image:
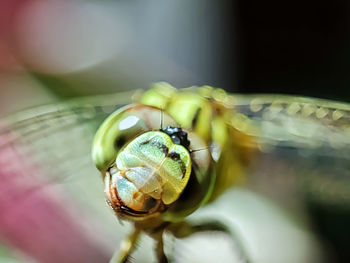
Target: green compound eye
{"type": "Point", "coordinates": [114, 133]}
{"type": "Point", "coordinates": [120, 128]}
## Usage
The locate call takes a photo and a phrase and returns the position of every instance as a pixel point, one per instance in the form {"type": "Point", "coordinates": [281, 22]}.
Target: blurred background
{"type": "Point", "coordinates": [54, 49]}
{"type": "Point", "coordinates": [69, 48]}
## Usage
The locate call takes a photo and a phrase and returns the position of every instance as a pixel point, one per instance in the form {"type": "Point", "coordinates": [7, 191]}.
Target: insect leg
{"type": "Point", "coordinates": [126, 248]}
{"type": "Point", "coordinates": [185, 229]}
{"type": "Point", "coordinates": [161, 257]}
{"type": "Point", "coordinates": [157, 235]}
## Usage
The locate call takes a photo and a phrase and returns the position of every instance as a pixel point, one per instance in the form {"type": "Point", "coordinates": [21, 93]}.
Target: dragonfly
{"type": "Point", "coordinates": [164, 155]}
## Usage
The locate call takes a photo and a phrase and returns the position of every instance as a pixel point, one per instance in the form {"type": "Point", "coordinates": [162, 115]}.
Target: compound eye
{"type": "Point", "coordinates": [116, 131]}
{"type": "Point", "coordinates": [120, 128]}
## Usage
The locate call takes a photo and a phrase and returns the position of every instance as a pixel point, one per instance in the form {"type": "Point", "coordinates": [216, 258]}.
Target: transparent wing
{"type": "Point", "coordinates": [304, 142]}
{"type": "Point", "coordinates": [50, 208]}
{"type": "Point", "coordinates": [307, 123]}
{"type": "Point", "coordinates": [302, 163]}
{"type": "Point", "coordinates": [60, 135]}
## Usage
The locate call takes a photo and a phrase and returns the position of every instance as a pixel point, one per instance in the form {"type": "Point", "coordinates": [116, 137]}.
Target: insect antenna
{"type": "Point", "coordinates": [161, 119]}
{"type": "Point", "coordinates": [201, 149]}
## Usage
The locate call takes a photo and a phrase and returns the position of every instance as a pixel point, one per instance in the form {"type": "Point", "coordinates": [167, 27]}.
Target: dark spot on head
{"type": "Point", "coordinates": [165, 149]}
{"type": "Point", "coordinates": [120, 142]}
{"type": "Point", "coordinates": [159, 145]}
{"type": "Point", "coordinates": [145, 142]}
{"type": "Point", "coordinates": [150, 203]}
{"type": "Point", "coordinates": [177, 135]}
{"type": "Point", "coordinates": [130, 211]}
{"type": "Point", "coordinates": [176, 157]}
{"type": "Point", "coordinates": [175, 139]}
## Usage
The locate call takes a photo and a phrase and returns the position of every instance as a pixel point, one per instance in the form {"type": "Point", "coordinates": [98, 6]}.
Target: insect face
{"type": "Point", "coordinates": [149, 174]}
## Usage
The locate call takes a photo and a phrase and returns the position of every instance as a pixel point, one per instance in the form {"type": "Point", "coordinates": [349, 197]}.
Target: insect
{"type": "Point", "coordinates": [175, 151]}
